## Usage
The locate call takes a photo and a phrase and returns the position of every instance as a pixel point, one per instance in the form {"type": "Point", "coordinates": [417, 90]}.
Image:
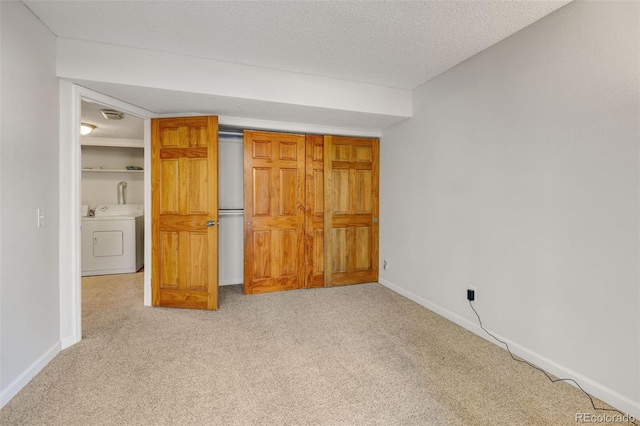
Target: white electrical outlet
{"type": "Point", "coordinates": [40, 213]}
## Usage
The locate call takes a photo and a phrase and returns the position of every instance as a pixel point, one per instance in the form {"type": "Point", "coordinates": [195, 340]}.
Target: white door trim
{"type": "Point", "coordinates": [71, 96]}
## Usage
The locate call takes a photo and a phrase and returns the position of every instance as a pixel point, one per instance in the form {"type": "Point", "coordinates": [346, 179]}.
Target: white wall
{"type": "Point", "coordinates": [29, 286]}
{"type": "Point", "coordinates": [102, 187]}
{"type": "Point", "coordinates": [85, 60]}
{"type": "Point", "coordinates": [519, 175]}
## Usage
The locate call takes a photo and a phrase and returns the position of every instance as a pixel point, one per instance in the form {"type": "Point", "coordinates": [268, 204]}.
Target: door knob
{"type": "Point", "coordinates": [211, 223]}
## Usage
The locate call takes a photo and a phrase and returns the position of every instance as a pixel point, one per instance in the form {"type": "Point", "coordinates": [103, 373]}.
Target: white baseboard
{"type": "Point", "coordinates": [596, 389]}
{"type": "Point", "coordinates": [26, 376]}
{"type": "Point", "coordinates": [69, 341]}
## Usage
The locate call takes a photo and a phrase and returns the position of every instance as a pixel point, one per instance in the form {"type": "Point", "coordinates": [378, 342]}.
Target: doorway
{"type": "Point", "coordinates": [111, 197]}
{"type": "Point", "coordinates": [70, 267]}
{"type": "Point", "coordinates": [112, 191]}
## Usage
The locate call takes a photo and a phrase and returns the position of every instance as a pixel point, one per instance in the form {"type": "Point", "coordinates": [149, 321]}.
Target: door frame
{"type": "Point", "coordinates": [70, 173]}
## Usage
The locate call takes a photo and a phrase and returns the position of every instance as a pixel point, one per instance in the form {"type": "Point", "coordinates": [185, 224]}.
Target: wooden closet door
{"type": "Point", "coordinates": [184, 198]}
{"type": "Point", "coordinates": [273, 212]}
{"type": "Point", "coordinates": [351, 210]}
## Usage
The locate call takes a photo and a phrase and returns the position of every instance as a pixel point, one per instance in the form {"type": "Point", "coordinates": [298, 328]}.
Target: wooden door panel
{"type": "Point", "coordinates": [290, 253]}
{"type": "Point", "coordinates": [262, 186]}
{"type": "Point", "coordinates": [288, 151]}
{"type": "Point", "coordinates": [274, 213]}
{"type": "Point", "coordinates": [317, 194]}
{"type": "Point", "coordinates": [351, 210]}
{"type": "Point", "coordinates": [261, 254]}
{"type": "Point", "coordinates": [363, 154]}
{"type": "Point", "coordinates": [261, 149]}
{"type": "Point", "coordinates": [314, 217]}
{"type": "Point", "coordinates": [197, 136]}
{"type": "Point", "coordinates": [276, 262]}
{"type": "Point", "coordinates": [363, 191]}
{"type": "Point", "coordinates": [184, 198]}
{"type": "Point", "coordinates": [341, 193]}
{"type": "Point", "coordinates": [362, 248]}
{"type": "Point", "coordinates": [170, 247]}
{"type": "Point", "coordinates": [196, 191]}
{"type": "Point", "coordinates": [177, 298]}
{"type": "Point", "coordinates": [288, 192]}
{"type": "Point", "coordinates": [170, 187]}
{"type": "Point", "coordinates": [197, 272]}
{"type": "Point", "coordinates": [317, 261]}
{"type": "Point", "coordinates": [169, 137]}
{"type": "Point", "coordinates": [340, 153]}
{"type": "Point", "coordinates": [340, 249]}
{"type": "Point", "coordinates": [177, 153]}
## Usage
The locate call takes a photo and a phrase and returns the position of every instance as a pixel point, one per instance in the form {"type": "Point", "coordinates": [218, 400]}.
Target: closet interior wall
{"type": "Point", "coordinates": [231, 207]}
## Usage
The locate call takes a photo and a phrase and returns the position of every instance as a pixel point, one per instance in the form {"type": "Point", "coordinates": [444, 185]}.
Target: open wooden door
{"type": "Point", "coordinates": [350, 210]}
{"type": "Point", "coordinates": [274, 167]}
{"type": "Point", "coordinates": [184, 208]}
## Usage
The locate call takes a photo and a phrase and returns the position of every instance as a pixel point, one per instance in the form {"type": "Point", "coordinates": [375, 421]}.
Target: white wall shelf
{"type": "Point", "coordinates": [112, 170]}
{"type": "Point", "coordinates": [111, 142]}
{"type": "Point", "coordinates": [104, 165]}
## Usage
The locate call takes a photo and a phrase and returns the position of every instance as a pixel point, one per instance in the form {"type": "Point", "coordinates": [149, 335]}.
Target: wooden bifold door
{"type": "Point", "coordinates": [273, 212]}
{"type": "Point", "coordinates": [297, 235]}
{"type": "Point", "coordinates": [351, 210]}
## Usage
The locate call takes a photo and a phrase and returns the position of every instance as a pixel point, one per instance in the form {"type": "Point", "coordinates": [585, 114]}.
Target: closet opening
{"type": "Point", "coordinates": [231, 206]}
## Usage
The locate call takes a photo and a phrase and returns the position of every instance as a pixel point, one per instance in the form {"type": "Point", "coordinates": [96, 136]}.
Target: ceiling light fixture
{"type": "Point", "coordinates": [86, 128]}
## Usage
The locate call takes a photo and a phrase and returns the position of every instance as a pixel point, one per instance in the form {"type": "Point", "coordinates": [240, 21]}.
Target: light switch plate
{"type": "Point", "coordinates": [40, 213]}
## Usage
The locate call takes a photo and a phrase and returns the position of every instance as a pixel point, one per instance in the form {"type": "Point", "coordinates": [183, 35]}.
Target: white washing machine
{"type": "Point", "coordinates": [113, 240]}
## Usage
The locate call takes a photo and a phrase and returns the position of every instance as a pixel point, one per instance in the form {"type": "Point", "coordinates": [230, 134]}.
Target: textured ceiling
{"type": "Point", "coordinates": [398, 44]}
{"type": "Point", "coordinates": [390, 43]}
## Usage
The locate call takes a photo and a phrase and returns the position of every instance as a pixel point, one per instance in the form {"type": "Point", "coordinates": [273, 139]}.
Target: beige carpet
{"type": "Point", "coordinates": [356, 355]}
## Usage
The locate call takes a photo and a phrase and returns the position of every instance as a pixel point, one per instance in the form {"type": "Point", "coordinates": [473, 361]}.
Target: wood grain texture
{"type": "Point", "coordinates": [314, 211]}
{"type": "Point", "coordinates": [166, 153]}
{"type": "Point", "coordinates": [289, 199]}
{"type": "Point", "coordinates": [170, 246]}
{"type": "Point", "coordinates": [197, 186]}
{"type": "Point", "coordinates": [169, 174]}
{"type": "Point", "coordinates": [351, 178]}
{"type": "Point", "coordinates": [184, 196]}
{"type": "Point", "coordinates": [197, 272]}
{"type": "Point", "coordinates": [328, 210]}
{"type": "Point", "coordinates": [346, 209]}
{"type": "Point", "coordinates": [263, 186]}
{"type": "Point", "coordinates": [274, 194]}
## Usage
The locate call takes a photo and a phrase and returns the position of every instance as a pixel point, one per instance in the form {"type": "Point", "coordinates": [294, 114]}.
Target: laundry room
{"type": "Point", "coordinates": [112, 152]}
{"type": "Point", "coordinates": [112, 191]}
{"type": "Point", "coordinates": [112, 195]}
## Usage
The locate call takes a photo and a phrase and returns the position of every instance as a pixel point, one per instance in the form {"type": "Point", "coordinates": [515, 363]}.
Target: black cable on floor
{"type": "Point", "coordinates": [552, 380]}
